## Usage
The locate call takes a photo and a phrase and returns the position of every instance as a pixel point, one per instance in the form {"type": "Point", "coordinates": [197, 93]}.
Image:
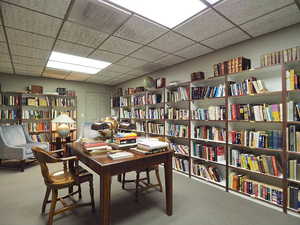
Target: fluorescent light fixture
{"type": "Point", "coordinates": [212, 1]}
{"type": "Point", "coordinates": [166, 12]}
{"type": "Point", "coordinates": [69, 62]}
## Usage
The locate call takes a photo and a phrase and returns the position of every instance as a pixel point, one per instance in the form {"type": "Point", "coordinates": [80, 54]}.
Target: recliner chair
{"type": "Point", "coordinates": [16, 144]}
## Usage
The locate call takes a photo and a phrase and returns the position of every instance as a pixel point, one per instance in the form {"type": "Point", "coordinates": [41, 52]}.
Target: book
{"type": "Point", "coordinates": [156, 113]}
{"type": "Point", "coordinates": [177, 130]}
{"type": "Point", "coordinates": [177, 114]}
{"type": "Point", "coordinates": [211, 113]}
{"type": "Point", "coordinates": [181, 164]}
{"type": "Point", "coordinates": [278, 57]}
{"type": "Point", "coordinates": [234, 65]}
{"type": "Point", "coordinates": [179, 148]}
{"type": "Point", "coordinates": [209, 152]}
{"type": "Point", "coordinates": [180, 94]}
{"type": "Point", "coordinates": [212, 173]}
{"type": "Point", "coordinates": [149, 144]}
{"type": "Point", "coordinates": [119, 155]}
{"type": "Point", "coordinates": [210, 133]}
{"type": "Point", "coordinates": [208, 92]}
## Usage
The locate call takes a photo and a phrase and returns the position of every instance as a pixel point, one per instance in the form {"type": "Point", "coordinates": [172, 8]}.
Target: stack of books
{"type": "Point", "coordinates": [234, 65]}
{"type": "Point", "coordinates": [212, 113]}
{"type": "Point", "coordinates": [94, 145]}
{"type": "Point", "coordinates": [151, 146]}
{"type": "Point", "coordinates": [247, 87]}
{"type": "Point", "coordinates": [262, 163]}
{"type": "Point", "coordinates": [125, 138]}
{"type": "Point", "coordinates": [208, 92]}
{"type": "Point", "coordinates": [292, 80]}
{"type": "Point", "coordinates": [115, 155]}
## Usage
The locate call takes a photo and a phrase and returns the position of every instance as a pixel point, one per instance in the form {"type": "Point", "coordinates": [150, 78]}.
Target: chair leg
{"type": "Point", "coordinates": [137, 181]}
{"type": "Point", "coordinates": [123, 180]}
{"type": "Point", "coordinates": [22, 165]}
{"type": "Point", "coordinates": [70, 189]}
{"type": "Point", "coordinates": [46, 199]}
{"type": "Point", "coordinates": [52, 208]}
{"type": "Point", "coordinates": [92, 194]}
{"type": "Point", "coordinates": [158, 179]}
{"type": "Point", "coordinates": [148, 176]}
{"type": "Point", "coordinates": [79, 191]}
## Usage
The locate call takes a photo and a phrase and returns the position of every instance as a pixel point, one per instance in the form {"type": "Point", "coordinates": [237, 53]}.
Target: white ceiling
{"type": "Point", "coordinates": [31, 29]}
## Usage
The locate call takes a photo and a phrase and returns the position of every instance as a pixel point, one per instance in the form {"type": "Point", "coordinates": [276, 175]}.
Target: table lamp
{"type": "Point", "coordinates": [63, 129]}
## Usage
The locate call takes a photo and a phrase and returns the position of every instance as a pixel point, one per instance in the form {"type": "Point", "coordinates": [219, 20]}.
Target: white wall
{"type": "Point", "coordinates": [253, 49]}
{"type": "Point", "coordinates": [99, 94]}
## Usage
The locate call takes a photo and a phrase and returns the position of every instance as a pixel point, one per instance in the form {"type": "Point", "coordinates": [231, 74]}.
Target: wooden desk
{"type": "Point", "coordinates": [106, 168]}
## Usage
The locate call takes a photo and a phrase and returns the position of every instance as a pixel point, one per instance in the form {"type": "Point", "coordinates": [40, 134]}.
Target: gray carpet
{"type": "Point", "coordinates": [21, 196]}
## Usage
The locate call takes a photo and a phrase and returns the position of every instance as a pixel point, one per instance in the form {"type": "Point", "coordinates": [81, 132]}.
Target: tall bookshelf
{"type": "Point", "coordinates": [275, 80]}
{"type": "Point", "coordinates": [37, 111]}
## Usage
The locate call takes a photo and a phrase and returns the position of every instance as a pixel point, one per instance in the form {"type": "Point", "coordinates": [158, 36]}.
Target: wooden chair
{"type": "Point", "coordinates": [65, 178]}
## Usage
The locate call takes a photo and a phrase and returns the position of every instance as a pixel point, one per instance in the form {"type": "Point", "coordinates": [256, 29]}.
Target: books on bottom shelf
{"type": "Point", "coordinates": [242, 183]}
{"type": "Point", "coordinates": [294, 198]}
{"type": "Point", "coordinates": [208, 172]}
{"type": "Point", "coordinates": [293, 171]}
{"type": "Point", "coordinates": [181, 164]}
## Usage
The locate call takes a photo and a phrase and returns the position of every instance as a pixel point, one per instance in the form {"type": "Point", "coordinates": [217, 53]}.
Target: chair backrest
{"type": "Point", "coordinates": [14, 135]}
{"type": "Point", "coordinates": [43, 157]}
{"type": "Point", "coordinates": [87, 132]}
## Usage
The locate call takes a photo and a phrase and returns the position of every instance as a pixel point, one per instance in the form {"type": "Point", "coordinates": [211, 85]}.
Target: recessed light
{"type": "Point", "coordinates": [69, 62]}
{"type": "Point", "coordinates": [166, 12]}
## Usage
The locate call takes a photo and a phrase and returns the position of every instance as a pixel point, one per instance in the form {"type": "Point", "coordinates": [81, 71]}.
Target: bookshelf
{"type": "Point", "coordinates": [216, 131]}
{"type": "Point", "coordinates": [37, 111]}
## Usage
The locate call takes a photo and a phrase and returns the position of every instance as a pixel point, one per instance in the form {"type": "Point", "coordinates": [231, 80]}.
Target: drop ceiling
{"type": "Point", "coordinates": [30, 30]}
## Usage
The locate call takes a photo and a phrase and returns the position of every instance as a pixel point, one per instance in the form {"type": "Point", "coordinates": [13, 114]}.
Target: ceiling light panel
{"type": "Point", "coordinates": [72, 67]}
{"type": "Point", "coordinates": [98, 15]}
{"type": "Point", "coordinates": [29, 39]}
{"type": "Point", "coordinates": [73, 49]}
{"type": "Point", "coordinates": [28, 20]}
{"type": "Point", "coordinates": [167, 12]}
{"type": "Point", "coordinates": [82, 35]}
{"type": "Point", "coordinates": [56, 8]}
{"type": "Point", "coordinates": [140, 30]}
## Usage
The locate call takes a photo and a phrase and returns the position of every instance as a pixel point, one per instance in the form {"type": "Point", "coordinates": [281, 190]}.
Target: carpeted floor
{"type": "Point", "coordinates": [21, 196]}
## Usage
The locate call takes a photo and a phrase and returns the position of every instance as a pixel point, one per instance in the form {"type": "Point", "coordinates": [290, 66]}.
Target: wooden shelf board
{"type": "Point", "coordinates": [170, 136]}
{"type": "Point", "coordinates": [210, 181]}
{"type": "Point", "coordinates": [209, 161]}
{"type": "Point", "coordinates": [254, 149]}
{"type": "Point", "coordinates": [293, 153]}
{"type": "Point", "coordinates": [255, 172]}
{"type": "Point", "coordinates": [293, 181]}
{"type": "Point", "coordinates": [207, 99]}
{"type": "Point", "coordinates": [271, 93]}
{"type": "Point", "coordinates": [180, 154]}
{"type": "Point", "coordinates": [207, 140]}
{"type": "Point", "coordinates": [208, 120]}
{"type": "Point", "coordinates": [252, 121]}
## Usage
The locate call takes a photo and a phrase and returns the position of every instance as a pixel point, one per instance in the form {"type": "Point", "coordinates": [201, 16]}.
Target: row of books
{"type": "Point", "coordinates": [293, 171]}
{"type": "Point", "coordinates": [35, 114]}
{"type": "Point", "coordinates": [279, 57]}
{"type": "Point", "coordinates": [181, 94]}
{"type": "Point", "coordinates": [71, 113]}
{"type": "Point", "coordinates": [139, 113]}
{"type": "Point", "coordinates": [181, 164]}
{"type": "Point", "coordinates": [209, 152]}
{"type": "Point", "coordinates": [156, 128]}
{"type": "Point", "coordinates": [125, 113]}
{"type": "Point", "coordinates": [177, 130]}
{"type": "Point", "coordinates": [257, 112]}
{"type": "Point", "coordinates": [179, 148]}
{"type": "Point", "coordinates": [139, 100]}
{"type": "Point", "coordinates": [293, 139]}
{"type": "Point", "coordinates": [208, 172]}
{"type": "Point", "coordinates": [177, 114]}
{"type": "Point", "coordinates": [63, 102]}
{"type": "Point", "coordinates": [40, 137]}
{"type": "Point", "coordinates": [35, 101]}
{"type": "Point", "coordinates": [38, 126]}
{"type": "Point", "coordinates": [293, 111]}
{"type": "Point", "coordinates": [125, 101]}
{"type": "Point", "coordinates": [115, 102]}
{"type": "Point", "coordinates": [244, 184]}
{"type": "Point", "coordinates": [212, 113]}
{"type": "Point", "coordinates": [156, 113]}
{"type": "Point", "coordinates": [210, 133]}
{"type": "Point", "coordinates": [140, 126]}
{"type": "Point", "coordinates": [256, 139]}
{"type": "Point", "coordinates": [208, 92]}
{"type": "Point", "coordinates": [292, 80]}
{"type": "Point", "coordinates": [10, 100]}
{"type": "Point", "coordinates": [9, 114]}
{"type": "Point", "coordinates": [246, 87]}
{"type": "Point", "coordinates": [234, 65]}
{"type": "Point", "coordinates": [154, 98]}
{"type": "Point", "coordinates": [266, 164]}
{"type": "Point", "coordinates": [294, 197]}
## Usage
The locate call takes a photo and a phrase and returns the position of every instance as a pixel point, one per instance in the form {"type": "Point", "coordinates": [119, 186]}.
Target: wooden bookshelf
{"type": "Point", "coordinates": [276, 94]}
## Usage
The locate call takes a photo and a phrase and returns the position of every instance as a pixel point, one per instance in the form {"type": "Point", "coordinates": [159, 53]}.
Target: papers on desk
{"type": "Point", "coordinates": [119, 155]}
{"type": "Point", "coordinates": [151, 144]}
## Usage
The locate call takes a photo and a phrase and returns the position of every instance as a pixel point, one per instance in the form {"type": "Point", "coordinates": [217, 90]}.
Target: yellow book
{"type": "Point", "coordinates": [292, 78]}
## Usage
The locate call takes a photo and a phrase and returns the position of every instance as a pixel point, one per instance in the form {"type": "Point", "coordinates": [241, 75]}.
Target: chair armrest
{"type": "Point", "coordinates": [56, 151]}
{"type": "Point", "coordinates": [68, 158]}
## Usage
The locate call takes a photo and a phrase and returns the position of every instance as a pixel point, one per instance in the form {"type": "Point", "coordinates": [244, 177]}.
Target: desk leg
{"type": "Point", "coordinates": [169, 185]}
{"type": "Point", "coordinates": [105, 207]}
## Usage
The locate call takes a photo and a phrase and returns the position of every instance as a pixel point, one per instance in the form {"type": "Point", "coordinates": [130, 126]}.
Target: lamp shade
{"type": "Point", "coordinates": [63, 118]}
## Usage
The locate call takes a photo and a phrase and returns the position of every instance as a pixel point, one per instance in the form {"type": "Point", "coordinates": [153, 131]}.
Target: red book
{"type": "Point", "coordinates": [275, 166]}
{"type": "Point", "coordinates": [233, 109]}
{"type": "Point", "coordinates": [94, 144]}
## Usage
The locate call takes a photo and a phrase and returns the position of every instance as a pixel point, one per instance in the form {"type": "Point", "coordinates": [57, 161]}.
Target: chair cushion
{"type": "Point", "coordinates": [27, 147]}
{"type": "Point", "coordinates": [14, 135]}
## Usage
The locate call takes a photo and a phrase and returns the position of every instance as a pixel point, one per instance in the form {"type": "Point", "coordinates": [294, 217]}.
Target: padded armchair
{"type": "Point", "coordinates": [16, 144]}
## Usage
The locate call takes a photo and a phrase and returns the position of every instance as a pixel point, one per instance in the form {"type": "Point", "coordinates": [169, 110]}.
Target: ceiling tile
{"type": "Point", "coordinates": [136, 72]}
{"type": "Point", "coordinates": [150, 67]}
{"type": "Point", "coordinates": [193, 51]}
{"type": "Point", "coordinates": [170, 60]}
{"type": "Point", "coordinates": [81, 34]}
{"type": "Point", "coordinates": [140, 30]}
{"type": "Point", "coordinates": [28, 39]}
{"type": "Point", "coordinates": [119, 46]}
{"type": "Point", "coordinates": [131, 62]}
{"type": "Point", "coordinates": [29, 52]}
{"type": "Point", "coordinates": [77, 76]}
{"type": "Point", "coordinates": [28, 70]}
{"type": "Point", "coordinates": [282, 18]}
{"type": "Point", "coordinates": [148, 53]}
{"type": "Point", "coordinates": [28, 61]}
{"type": "Point", "coordinates": [240, 11]}
{"type": "Point", "coordinates": [56, 8]}
{"type": "Point", "coordinates": [109, 74]}
{"type": "Point", "coordinates": [73, 49]}
{"type": "Point", "coordinates": [117, 68]}
{"type": "Point", "coordinates": [204, 26]}
{"type": "Point", "coordinates": [4, 58]}
{"type": "Point", "coordinates": [27, 20]}
{"type": "Point", "coordinates": [3, 48]}
{"type": "Point", "coordinates": [2, 37]}
{"type": "Point", "coordinates": [105, 56]}
{"type": "Point", "coordinates": [5, 67]}
{"type": "Point", "coordinates": [98, 15]}
{"type": "Point", "coordinates": [53, 73]}
{"type": "Point", "coordinates": [226, 38]}
{"type": "Point", "coordinates": [171, 42]}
